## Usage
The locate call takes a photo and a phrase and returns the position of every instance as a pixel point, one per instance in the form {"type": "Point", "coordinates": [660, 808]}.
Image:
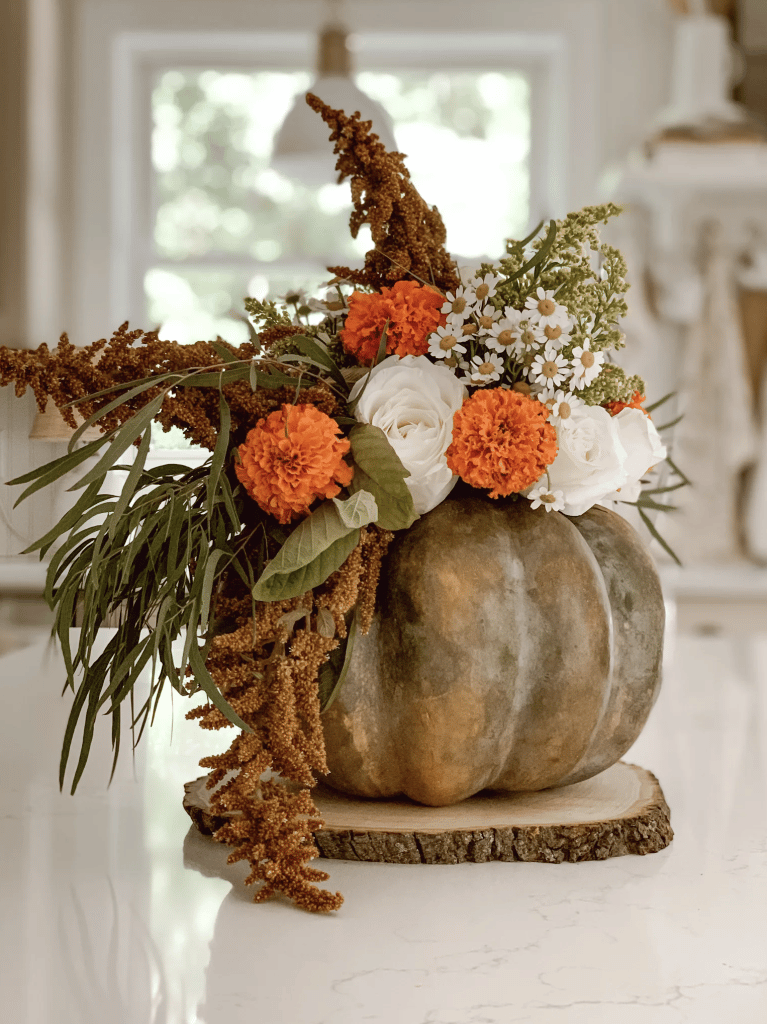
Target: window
{"type": "Point", "coordinates": [224, 224]}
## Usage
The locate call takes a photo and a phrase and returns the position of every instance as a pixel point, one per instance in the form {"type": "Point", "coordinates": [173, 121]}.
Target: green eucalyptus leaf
{"type": "Point", "coordinates": [378, 470]}
{"type": "Point", "coordinates": [54, 470]}
{"type": "Point", "coordinates": [225, 352]}
{"type": "Point", "coordinates": [204, 678]}
{"type": "Point", "coordinates": [320, 356]}
{"type": "Point", "coordinates": [316, 548]}
{"type": "Point", "coordinates": [122, 440]}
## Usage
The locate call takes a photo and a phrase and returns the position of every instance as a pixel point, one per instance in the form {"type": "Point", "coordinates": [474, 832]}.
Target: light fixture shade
{"type": "Point", "coordinates": [301, 147]}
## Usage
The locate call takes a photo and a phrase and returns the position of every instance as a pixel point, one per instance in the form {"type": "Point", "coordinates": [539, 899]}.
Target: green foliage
{"type": "Point", "coordinates": [586, 275]}
{"type": "Point", "coordinates": [612, 385]}
{"type": "Point", "coordinates": [147, 562]}
{"type": "Point", "coordinates": [379, 471]}
{"type": "Point", "coordinates": [318, 546]}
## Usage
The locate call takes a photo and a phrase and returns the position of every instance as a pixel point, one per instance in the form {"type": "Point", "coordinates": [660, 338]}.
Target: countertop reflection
{"type": "Point", "coordinates": [115, 911]}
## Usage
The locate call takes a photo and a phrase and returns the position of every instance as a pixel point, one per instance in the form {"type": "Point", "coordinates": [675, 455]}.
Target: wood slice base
{"type": "Point", "coordinates": [620, 811]}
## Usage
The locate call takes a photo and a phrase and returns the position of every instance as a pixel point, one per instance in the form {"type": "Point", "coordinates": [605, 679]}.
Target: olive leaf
{"type": "Point", "coordinates": [317, 547]}
{"type": "Point", "coordinates": [378, 470]}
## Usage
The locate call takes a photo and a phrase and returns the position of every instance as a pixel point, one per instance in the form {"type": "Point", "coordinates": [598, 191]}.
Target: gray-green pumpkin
{"type": "Point", "coordinates": [512, 649]}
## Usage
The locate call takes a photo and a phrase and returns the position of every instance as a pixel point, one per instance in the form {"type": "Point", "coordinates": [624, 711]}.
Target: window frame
{"type": "Point", "coordinates": [556, 42]}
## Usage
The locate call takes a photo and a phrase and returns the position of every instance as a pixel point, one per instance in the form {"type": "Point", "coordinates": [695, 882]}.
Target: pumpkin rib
{"type": "Point", "coordinates": [493, 661]}
{"type": "Point", "coordinates": [638, 613]}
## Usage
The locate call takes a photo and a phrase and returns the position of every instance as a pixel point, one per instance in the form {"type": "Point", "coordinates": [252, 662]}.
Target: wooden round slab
{"type": "Point", "coordinates": [622, 810]}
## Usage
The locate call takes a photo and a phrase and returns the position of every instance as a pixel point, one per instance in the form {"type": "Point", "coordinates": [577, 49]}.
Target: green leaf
{"type": "Point", "coordinates": [207, 586]}
{"type": "Point", "coordinates": [203, 677]}
{"type": "Point", "coordinates": [320, 356]}
{"type": "Point", "coordinates": [671, 423]}
{"type": "Point", "coordinates": [225, 352]}
{"type": "Point", "coordinates": [531, 236]}
{"type": "Point", "coordinates": [649, 524]}
{"type": "Point", "coordinates": [379, 356]}
{"type": "Point", "coordinates": [357, 511]}
{"type": "Point", "coordinates": [122, 440]}
{"type": "Point", "coordinates": [675, 469]}
{"type": "Point", "coordinates": [54, 470]}
{"type": "Point", "coordinates": [379, 471]}
{"type": "Point", "coordinates": [129, 487]}
{"type": "Point", "coordinates": [140, 388]}
{"type": "Point", "coordinates": [539, 256]}
{"type": "Point", "coordinates": [659, 403]}
{"type": "Point", "coordinates": [330, 683]}
{"type": "Point", "coordinates": [316, 548]}
{"type": "Point", "coordinates": [219, 453]}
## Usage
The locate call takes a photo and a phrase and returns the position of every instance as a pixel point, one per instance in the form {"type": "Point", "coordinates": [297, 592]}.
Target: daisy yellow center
{"type": "Point", "coordinates": [505, 338]}
{"type": "Point", "coordinates": [552, 333]}
{"type": "Point", "coordinates": [487, 368]}
{"type": "Point", "coordinates": [548, 499]}
{"type": "Point", "coordinates": [587, 359]}
{"type": "Point", "coordinates": [449, 341]}
{"type": "Point", "coordinates": [528, 338]}
{"type": "Point", "coordinates": [333, 306]}
{"type": "Point", "coordinates": [482, 291]}
{"type": "Point", "coordinates": [549, 368]}
{"type": "Point", "coordinates": [452, 362]}
{"type": "Point", "coordinates": [522, 387]}
{"type": "Point", "coordinates": [469, 328]}
{"type": "Point", "coordinates": [528, 359]}
{"type": "Point", "coordinates": [486, 322]}
{"type": "Point", "coordinates": [546, 307]}
{"type": "Point", "coordinates": [459, 305]}
{"type": "Point", "coordinates": [564, 410]}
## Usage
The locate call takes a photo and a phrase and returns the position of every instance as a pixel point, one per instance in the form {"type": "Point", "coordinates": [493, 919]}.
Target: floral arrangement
{"type": "Point", "coordinates": [344, 420]}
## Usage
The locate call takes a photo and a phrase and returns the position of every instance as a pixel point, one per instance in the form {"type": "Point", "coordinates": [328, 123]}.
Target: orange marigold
{"type": "Point", "coordinates": [413, 312]}
{"type": "Point", "coordinates": [291, 457]}
{"type": "Point", "coordinates": [501, 440]}
{"type": "Point", "coordinates": [636, 403]}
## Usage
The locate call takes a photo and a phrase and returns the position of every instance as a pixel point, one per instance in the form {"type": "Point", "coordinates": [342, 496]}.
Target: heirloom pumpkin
{"type": "Point", "coordinates": [511, 649]}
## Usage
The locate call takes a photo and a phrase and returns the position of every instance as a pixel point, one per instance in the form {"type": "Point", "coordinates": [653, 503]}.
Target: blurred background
{"type": "Point", "coordinates": [158, 164]}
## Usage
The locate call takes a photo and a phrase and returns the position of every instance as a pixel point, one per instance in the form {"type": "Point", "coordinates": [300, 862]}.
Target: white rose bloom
{"type": "Point", "coordinates": [591, 462]}
{"type": "Point", "coordinates": [644, 449]}
{"type": "Point", "coordinates": [413, 401]}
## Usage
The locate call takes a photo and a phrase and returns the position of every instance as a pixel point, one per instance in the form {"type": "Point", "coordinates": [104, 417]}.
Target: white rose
{"type": "Point", "coordinates": [591, 462]}
{"type": "Point", "coordinates": [413, 401]}
{"type": "Point", "coordinates": [644, 449]}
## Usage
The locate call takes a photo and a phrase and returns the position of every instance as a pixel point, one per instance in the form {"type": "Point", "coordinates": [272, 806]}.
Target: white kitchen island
{"type": "Point", "coordinates": [115, 911]}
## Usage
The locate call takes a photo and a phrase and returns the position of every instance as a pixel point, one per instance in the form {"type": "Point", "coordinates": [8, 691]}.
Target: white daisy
{"type": "Point", "coordinates": [561, 404]}
{"type": "Point", "coordinates": [295, 297]}
{"type": "Point", "coordinates": [485, 286]}
{"type": "Point", "coordinates": [552, 501]}
{"type": "Point", "coordinates": [486, 368]}
{"type": "Point", "coordinates": [543, 310]}
{"type": "Point", "coordinates": [527, 341]}
{"type": "Point", "coordinates": [486, 317]}
{"type": "Point", "coordinates": [558, 334]}
{"type": "Point", "coordinates": [501, 336]}
{"type": "Point", "coordinates": [549, 368]}
{"type": "Point", "coordinates": [460, 302]}
{"type": "Point", "coordinates": [445, 342]}
{"type": "Point", "coordinates": [333, 305]}
{"type": "Point", "coordinates": [586, 364]}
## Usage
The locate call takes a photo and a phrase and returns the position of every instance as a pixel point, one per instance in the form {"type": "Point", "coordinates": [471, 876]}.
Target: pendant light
{"type": "Point", "coordinates": [301, 147]}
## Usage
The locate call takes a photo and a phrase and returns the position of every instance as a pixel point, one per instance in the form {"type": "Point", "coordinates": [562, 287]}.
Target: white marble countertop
{"type": "Point", "coordinates": [116, 912]}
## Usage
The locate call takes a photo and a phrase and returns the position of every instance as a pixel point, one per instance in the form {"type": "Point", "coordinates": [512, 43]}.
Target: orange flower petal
{"type": "Point", "coordinates": [291, 457]}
